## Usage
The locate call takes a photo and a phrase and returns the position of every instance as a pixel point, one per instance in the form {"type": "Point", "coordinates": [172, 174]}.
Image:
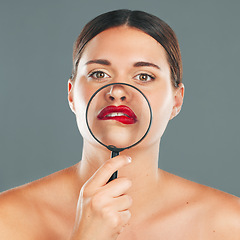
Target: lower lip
{"type": "Point", "coordinates": [121, 119]}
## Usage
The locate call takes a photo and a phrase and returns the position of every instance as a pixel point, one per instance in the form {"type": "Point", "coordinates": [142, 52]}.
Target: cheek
{"type": "Point", "coordinates": [80, 103]}
{"type": "Point", "coordinates": [162, 104]}
{"type": "Point", "coordinates": [81, 96]}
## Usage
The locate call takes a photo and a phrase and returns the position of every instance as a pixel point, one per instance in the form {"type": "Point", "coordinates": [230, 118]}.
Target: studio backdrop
{"type": "Point", "coordinates": [38, 131]}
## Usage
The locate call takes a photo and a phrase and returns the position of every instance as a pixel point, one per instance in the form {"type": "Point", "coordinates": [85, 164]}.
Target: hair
{"type": "Point", "coordinates": [143, 21]}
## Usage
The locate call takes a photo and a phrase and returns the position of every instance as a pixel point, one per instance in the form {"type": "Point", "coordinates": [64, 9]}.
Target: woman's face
{"type": "Point", "coordinates": [124, 55]}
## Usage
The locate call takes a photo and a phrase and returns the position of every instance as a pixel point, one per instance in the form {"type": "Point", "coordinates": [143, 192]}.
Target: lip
{"type": "Point", "coordinates": [120, 113]}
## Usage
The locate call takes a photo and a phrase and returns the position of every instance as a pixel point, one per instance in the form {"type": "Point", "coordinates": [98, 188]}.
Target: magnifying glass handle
{"type": "Point", "coordinates": [115, 174]}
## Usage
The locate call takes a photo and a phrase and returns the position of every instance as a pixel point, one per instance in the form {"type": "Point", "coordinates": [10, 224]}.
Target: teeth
{"type": "Point", "coordinates": [116, 114]}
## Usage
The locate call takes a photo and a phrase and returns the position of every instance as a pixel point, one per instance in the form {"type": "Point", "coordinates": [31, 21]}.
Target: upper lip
{"type": "Point", "coordinates": [122, 109]}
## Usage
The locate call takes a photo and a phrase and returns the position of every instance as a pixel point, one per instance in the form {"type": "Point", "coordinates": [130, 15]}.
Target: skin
{"type": "Point", "coordinates": [144, 202]}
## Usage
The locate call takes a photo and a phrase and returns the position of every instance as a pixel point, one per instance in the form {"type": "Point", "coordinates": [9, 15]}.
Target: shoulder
{"type": "Point", "coordinates": [27, 210]}
{"type": "Point", "coordinates": [223, 213]}
{"type": "Point", "coordinates": [13, 209]}
{"type": "Point", "coordinates": [219, 212]}
{"type": "Point", "coordinates": [201, 194]}
{"type": "Point", "coordinates": [215, 212]}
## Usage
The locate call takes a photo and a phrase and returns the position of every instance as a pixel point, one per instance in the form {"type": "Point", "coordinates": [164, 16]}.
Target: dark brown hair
{"type": "Point", "coordinates": [146, 22]}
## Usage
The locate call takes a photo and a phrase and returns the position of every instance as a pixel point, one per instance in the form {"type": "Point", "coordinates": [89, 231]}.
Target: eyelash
{"type": "Point", "coordinates": [91, 75]}
{"type": "Point", "coordinates": [148, 76]}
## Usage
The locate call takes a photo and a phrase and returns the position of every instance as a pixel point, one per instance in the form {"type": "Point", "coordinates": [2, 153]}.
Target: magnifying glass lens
{"type": "Point", "coordinates": [118, 115]}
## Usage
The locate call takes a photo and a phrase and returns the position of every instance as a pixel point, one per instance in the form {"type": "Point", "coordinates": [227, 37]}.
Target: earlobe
{"type": "Point", "coordinates": [174, 113]}
{"type": "Point", "coordinates": [178, 100]}
{"type": "Point", "coordinates": [70, 95]}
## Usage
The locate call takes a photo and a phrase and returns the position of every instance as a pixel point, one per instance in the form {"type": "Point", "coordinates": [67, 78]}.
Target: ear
{"type": "Point", "coordinates": [178, 100]}
{"type": "Point", "coordinates": [70, 95]}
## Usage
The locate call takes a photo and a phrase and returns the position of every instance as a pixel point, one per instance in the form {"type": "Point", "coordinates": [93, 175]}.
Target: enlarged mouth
{"type": "Point", "coordinates": [120, 113]}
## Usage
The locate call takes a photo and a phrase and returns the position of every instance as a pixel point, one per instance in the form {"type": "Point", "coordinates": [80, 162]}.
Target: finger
{"type": "Point", "coordinates": [117, 187]}
{"type": "Point", "coordinates": [125, 216]}
{"type": "Point", "coordinates": [122, 203]}
{"type": "Point", "coordinates": [103, 174]}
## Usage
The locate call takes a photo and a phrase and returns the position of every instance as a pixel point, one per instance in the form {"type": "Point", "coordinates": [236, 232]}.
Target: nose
{"type": "Point", "coordinates": [118, 93]}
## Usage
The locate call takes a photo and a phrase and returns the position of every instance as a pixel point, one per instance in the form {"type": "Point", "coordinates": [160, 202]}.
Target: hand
{"type": "Point", "coordinates": [103, 208]}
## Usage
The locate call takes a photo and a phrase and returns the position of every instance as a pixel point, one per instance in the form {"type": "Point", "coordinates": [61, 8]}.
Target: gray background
{"type": "Point", "coordinates": [38, 132]}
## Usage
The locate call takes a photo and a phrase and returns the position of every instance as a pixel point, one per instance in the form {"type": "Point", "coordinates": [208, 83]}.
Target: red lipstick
{"type": "Point", "coordinates": [120, 113]}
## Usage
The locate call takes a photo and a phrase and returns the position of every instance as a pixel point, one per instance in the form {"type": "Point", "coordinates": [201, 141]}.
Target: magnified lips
{"type": "Point", "coordinates": [120, 113]}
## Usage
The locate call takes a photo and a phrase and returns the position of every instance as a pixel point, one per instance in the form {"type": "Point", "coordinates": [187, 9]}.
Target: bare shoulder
{"type": "Point", "coordinates": [29, 211]}
{"type": "Point", "coordinates": [13, 211]}
{"type": "Point", "coordinates": [223, 212]}
{"type": "Point", "coordinates": [217, 213]}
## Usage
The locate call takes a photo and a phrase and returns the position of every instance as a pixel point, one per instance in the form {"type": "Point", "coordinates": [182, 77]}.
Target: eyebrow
{"type": "Point", "coordinates": [137, 64]}
{"type": "Point", "coordinates": [99, 61]}
{"type": "Point", "coordinates": [145, 64]}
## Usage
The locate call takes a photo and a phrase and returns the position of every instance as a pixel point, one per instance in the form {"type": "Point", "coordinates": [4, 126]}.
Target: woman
{"type": "Point", "coordinates": [144, 202]}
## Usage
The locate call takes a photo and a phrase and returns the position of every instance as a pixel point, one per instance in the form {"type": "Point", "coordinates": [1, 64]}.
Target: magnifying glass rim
{"type": "Point", "coordinates": [111, 147]}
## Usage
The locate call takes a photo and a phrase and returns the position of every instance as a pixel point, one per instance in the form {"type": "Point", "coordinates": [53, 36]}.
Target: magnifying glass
{"type": "Point", "coordinates": [118, 116]}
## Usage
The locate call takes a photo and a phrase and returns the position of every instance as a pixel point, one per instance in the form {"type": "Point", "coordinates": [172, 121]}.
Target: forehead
{"type": "Point", "coordinates": [126, 43]}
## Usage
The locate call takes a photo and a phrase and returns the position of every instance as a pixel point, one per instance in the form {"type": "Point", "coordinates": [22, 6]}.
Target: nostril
{"type": "Point", "coordinates": [123, 98]}
{"type": "Point", "coordinates": [111, 98]}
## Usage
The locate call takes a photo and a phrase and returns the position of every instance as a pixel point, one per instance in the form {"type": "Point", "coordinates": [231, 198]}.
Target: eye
{"type": "Point", "coordinates": [98, 75]}
{"type": "Point", "coordinates": [144, 77]}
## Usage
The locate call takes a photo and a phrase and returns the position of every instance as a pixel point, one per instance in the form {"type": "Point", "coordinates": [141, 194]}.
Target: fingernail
{"type": "Point", "coordinates": [129, 159]}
